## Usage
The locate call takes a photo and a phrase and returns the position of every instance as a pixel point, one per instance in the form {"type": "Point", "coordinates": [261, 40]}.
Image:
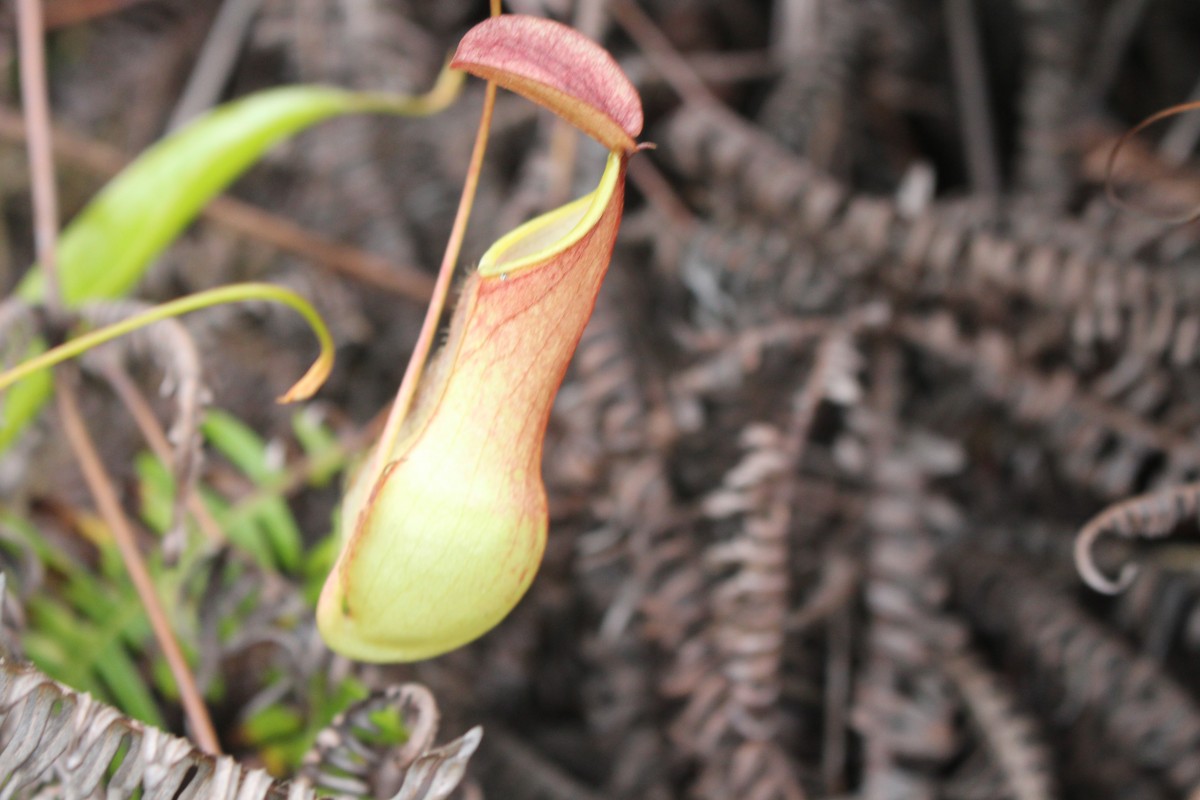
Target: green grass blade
{"type": "Point", "coordinates": [238, 442]}
{"type": "Point", "coordinates": [125, 684]}
{"type": "Point", "coordinates": [269, 512]}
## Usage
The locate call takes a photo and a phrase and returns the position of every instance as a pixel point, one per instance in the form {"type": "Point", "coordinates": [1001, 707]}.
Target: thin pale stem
{"type": "Point", "coordinates": [36, 104]}
{"type": "Point", "coordinates": [63, 13]}
{"type": "Point", "coordinates": [441, 289]}
{"type": "Point", "coordinates": [433, 314]}
{"type": "Point", "coordinates": [143, 416]}
{"type": "Point", "coordinates": [102, 491]}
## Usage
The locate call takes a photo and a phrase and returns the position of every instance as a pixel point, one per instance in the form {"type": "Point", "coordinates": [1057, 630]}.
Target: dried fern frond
{"type": "Point", "coordinates": [1078, 423]}
{"type": "Point", "coordinates": [52, 737]}
{"type": "Point", "coordinates": [609, 451]}
{"type": "Point", "coordinates": [731, 670]}
{"type": "Point", "coordinates": [1049, 99]}
{"type": "Point", "coordinates": [1125, 305]}
{"type": "Point", "coordinates": [1082, 674]}
{"type": "Point", "coordinates": [344, 760]}
{"type": "Point", "coordinates": [807, 109]}
{"type": "Point", "coordinates": [1010, 737]}
{"type": "Point", "coordinates": [904, 706]}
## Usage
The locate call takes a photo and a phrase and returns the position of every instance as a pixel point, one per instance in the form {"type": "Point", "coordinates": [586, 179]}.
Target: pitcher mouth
{"type": "Point", "coordinates": [543, 237]}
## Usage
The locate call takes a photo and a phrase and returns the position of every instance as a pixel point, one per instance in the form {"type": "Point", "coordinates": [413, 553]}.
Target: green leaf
{"type": "Point", "coordinates": [272, 724]}
{"type": "Point", "coordinates": [156, 492]}
{"type": "Point", "coordinates": [55, 639]}
{"type": "Point", "coordinates": [389, 728]}
{"type": "Point", "coordinates": [20, 404]}
{"type": "Point", "coordinates": [317, 563]}
{"type": "Point", "coordinates": [27, 533]}
{"type": "Point", "coordinates": [321, 446]}
{"type": "Point", "coordinates": [267, 510]}
{"type": "Point", "coordinates": [107, 248]}
{"type": "Point", "coordinates": [126, 686]}
{"type": "Point", "coordinates": [238, 442]}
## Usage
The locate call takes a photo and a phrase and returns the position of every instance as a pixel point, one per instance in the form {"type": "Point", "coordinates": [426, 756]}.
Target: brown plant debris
{"type": "Point", "coordinates": [53, 736]}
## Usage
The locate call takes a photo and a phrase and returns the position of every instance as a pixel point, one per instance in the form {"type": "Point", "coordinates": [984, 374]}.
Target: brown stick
{"type": "Point", "coordinates": [143, 415]}
{"type": "Point", "coordinates": [41, 158]}
{"type": "Point", "coordinates": [974, 99]}
{"type": "Point", "coordinates": [45, 207]}
{"type": "Point", "coordinates": [674, 68]}
{"type": "Point", "coordinates": [105, 496]}
{"type": "Point", "coordinates": [62, 13]}
{"type": "Point", "coordinates": [215, 62]}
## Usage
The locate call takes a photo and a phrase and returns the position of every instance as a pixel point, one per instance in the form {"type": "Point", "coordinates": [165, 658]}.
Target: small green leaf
{"type": "Point", "coordinates": [156, 492]}
{"type": "Point", "coordinates": [317, 563]}
{"type": "Point", "coordinates": [242, 529]}
{"type": "Point", "coordinates": [27, 532]}
{"type": "Point", "coordinates": [244, 448]}
{"type": "Point", "coordinates": [20, 404]}
{"type": "Point", "coordinates": [282, 532]}
{"type": "Point", "coordinates": [271, 724]}
{"type": "Point", "coordinates": [321, 446]}
{"type": "Point", "coordinates": [389, 728]}
{"type": "Point", "coordinates": [267, 512]}
{"type": "Point", "coordinates": [125, 684]}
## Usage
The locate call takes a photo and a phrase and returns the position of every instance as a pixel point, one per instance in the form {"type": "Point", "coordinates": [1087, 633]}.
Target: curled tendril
{"type": "Point", "coordinates": [237, 292]}
{"type": "Point", "coordinates": [1092, 575]}
{"type": "Point", "coordinates": [1148, 516]}
{"type": "Point", "coordinates": [1110, 186]}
